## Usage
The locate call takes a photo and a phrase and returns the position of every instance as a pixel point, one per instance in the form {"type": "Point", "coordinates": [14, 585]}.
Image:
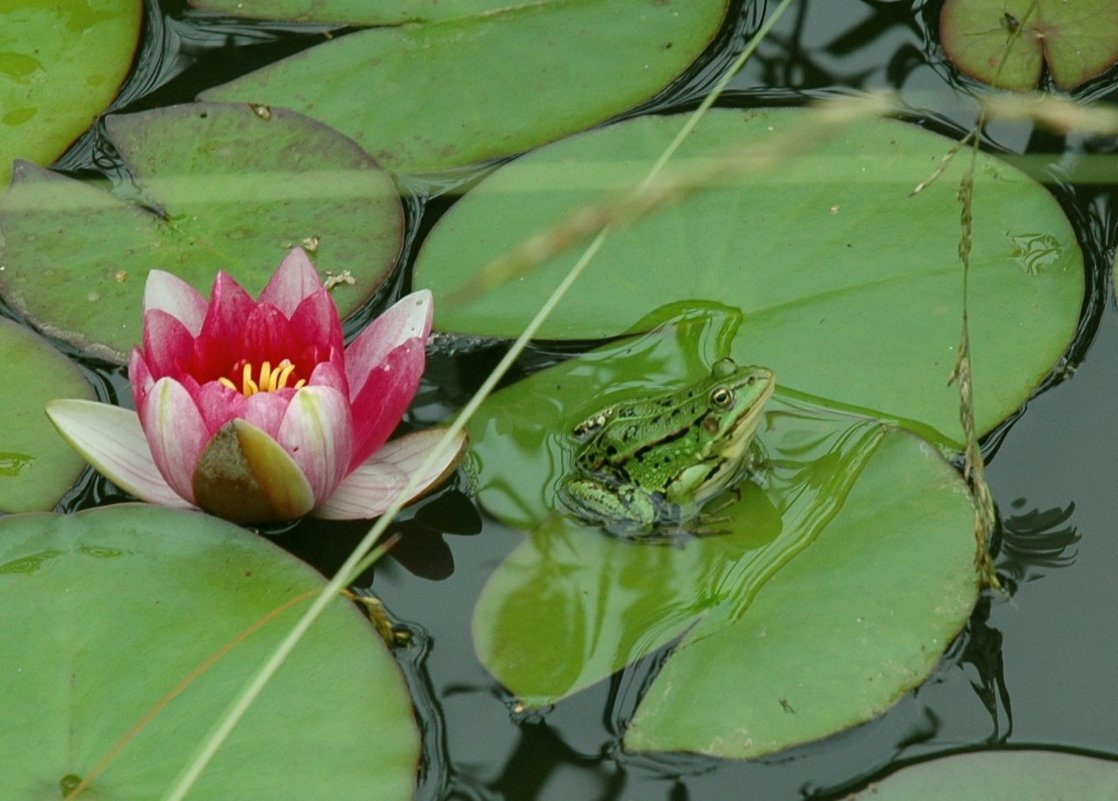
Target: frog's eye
{"type": "Point", "coordinates": [721, 397]}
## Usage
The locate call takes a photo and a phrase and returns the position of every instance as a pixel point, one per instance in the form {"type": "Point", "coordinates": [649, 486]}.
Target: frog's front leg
{"type": "Point", "coordinates": [618, 507]}
{"type": "Point", "coordinates": [709, 498]}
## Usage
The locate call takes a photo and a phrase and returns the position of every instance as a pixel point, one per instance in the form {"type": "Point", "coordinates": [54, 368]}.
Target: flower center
{"type": "Point", "coordinates": [270, 379]}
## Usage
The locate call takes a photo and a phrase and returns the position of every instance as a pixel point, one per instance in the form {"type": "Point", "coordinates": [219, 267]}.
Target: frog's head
{"type": "Point", "coordinates": [735, 398]}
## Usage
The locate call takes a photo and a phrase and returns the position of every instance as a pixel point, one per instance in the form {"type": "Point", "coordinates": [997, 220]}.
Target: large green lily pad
{"type": "Point", "coordinates": [224, 188]}
{"type": "Point", "coordinates": [60, 65]}
{"type": "Point", "coordinates": [356, 12]}
{"type": "Point", "coordinates": [847, 570]}
{"type": "Point", "coordinates": [36, 465]}
{"type": "Point", "coordinates": [1076, 41]}
{"type": "Point", "coordinates": [431, 96]}
{"type": "Point", "coordinates": [1017, 775]}
{"type": "Point", "coordinates": [851, 287]}
{"type": "Point", "coordinates": [108, 611]}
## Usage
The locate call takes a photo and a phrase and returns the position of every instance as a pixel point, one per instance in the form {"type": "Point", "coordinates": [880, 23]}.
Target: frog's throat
{"type": "Point", "coordinates": [740, 438]}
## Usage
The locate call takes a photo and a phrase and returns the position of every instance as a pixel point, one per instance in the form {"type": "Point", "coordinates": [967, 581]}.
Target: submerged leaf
{"type": "Point", "coordinates": [848, 569]}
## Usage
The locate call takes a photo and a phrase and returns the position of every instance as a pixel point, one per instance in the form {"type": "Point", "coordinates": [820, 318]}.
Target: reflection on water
{"type": "Point", "coordinates": [1034, 541]}
{"type": "Point", "coordinates": [980, 648]}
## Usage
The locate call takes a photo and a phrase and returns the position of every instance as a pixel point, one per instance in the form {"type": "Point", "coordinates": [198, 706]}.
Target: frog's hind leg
{"type": "Point", "coordinates": [620, 509]}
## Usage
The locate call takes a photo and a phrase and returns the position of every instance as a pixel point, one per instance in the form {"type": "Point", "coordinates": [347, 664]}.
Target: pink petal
{"type": "Point", "coordinates": [315, 323]}
{"type": "Point", "coordinates": [139, 378]}
{"type": "Point", "coordinates": [110, 438]}
{"type": "Point", "coordinates": [379, 405]}
{"type": "Point", "coordinates": [409, 318]}
{"type": "Point", "coordinates": [229, 306]}
{"type": "Point", "coordinates": [266, 336]}
{"type": "Point", "coordinates": [168, 293]}
{"type": "Point", "coordinates": [217, 404]}
{"type": "Point", "coordinates": [168, 344]}
{"type": "Point", "coordinates": [317, 432]}
{"type": "Point", "coordinates": [293, 281]}
{"type": "Point", "coordinates": [176, 433]}
{"type": "Point", "coordinates": [329, 374]}
{"type": "Point", "coordinates": [266, 411]}
{"type": "Point", "coordinates": [364, 494]}
{"type": "Point", "coordinates": [370, 489]}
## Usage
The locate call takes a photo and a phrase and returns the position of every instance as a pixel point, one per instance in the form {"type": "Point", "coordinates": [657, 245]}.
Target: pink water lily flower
{"type": "Point", "coordinates": [255, 411]}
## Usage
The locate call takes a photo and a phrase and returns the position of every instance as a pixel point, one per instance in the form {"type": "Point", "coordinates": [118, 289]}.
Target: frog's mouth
{"type": "Point", "coordinates": [741, 434]}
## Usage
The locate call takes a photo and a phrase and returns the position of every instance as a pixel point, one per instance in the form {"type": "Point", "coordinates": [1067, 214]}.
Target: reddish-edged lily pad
{"type": "Point", "coordinates": [223, 187]}
{"type": "Point", "coordinates": [1004, 43]}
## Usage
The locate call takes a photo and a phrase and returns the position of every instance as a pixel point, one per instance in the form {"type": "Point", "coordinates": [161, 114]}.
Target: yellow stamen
{"type": "Point", "coordinates": [249, 387]}
{"type": "Point", "coordinates": [285, 374]}
{"type": "Point", "coordinates": [270, 379]}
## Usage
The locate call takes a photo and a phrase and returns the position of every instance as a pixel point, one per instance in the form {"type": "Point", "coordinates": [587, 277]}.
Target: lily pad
{"type": "Point", "coordinates": [223, 188]}
{"type": "Point", "coordinates": [110, 610]}
{"type": "Point", "coordinates": [851, 287]}
{"type": "Point", "coordinates": [1017, 775]}
{"type": "Point", "coordinates": [1076, 41]}
{"type": "Point", "coordinates": [36, 465]}
{"type": "Point", "coordinates": [60, 65]}
{"type": "Point", "coordinates": [354, 12]}
{"type": "Point", "coordinates": [431, 96]}
{"type": "Point", "coordinates": [847, 570]}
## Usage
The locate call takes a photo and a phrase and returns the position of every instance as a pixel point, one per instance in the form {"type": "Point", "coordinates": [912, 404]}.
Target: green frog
{"type": "Point", "coordinates": [655, 461]}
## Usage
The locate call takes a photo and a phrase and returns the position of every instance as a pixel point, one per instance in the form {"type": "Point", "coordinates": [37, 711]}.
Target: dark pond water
{"type": "Point", "coordinates": [1034, 667]}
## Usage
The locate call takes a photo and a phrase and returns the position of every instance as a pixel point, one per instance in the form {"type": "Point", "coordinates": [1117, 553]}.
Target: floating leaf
{"type": "Point", "coordinates": [851, 287]}
{"type": "Point", "coordinates": [225, 188]}
{"type": "Point", "coordinates": [848, 569]}
{"type": "Point", "coordinates": [1017, 775]}
{"type": "Point", "coordinates": [432, 96]}
{"type": "Point", "coordinates": [36, 465]}
{"type": "Point", "coordinates": [354, 12]}
{"type": "Point", "coordinates": [110, 610]}
{"type": "Point", "coordinates": [60, 65]}
{"type": "Point", "coordinates": [1076, 41]}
